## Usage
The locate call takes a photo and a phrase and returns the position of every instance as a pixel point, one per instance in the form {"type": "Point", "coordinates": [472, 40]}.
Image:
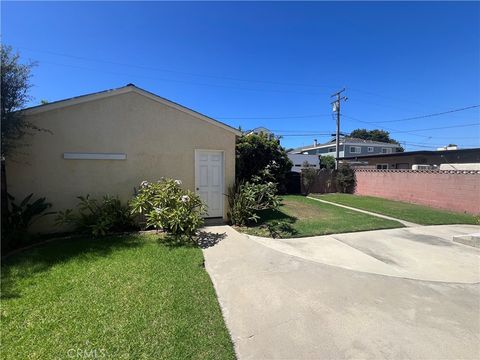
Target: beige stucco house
{"type": "Point", "coordinates": [108, 142]}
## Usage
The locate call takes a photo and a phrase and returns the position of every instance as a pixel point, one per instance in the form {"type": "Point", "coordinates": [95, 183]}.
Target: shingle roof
{"type": "Point", "coordinates": [357, 140]}
{"type": "Point", "coordinates": [475, 151]}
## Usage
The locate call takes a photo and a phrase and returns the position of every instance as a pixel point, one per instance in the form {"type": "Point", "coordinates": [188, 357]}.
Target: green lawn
{"type": "Point", "coordinates": [121, 297]}
{"type": "Point", "coordinates": [301, 217]}
{"type": "Point", "coordinates": [415, 213]}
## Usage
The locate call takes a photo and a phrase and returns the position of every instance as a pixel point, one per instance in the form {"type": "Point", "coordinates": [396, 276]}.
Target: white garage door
{"type": "Point", "coordinates": [209, 175]}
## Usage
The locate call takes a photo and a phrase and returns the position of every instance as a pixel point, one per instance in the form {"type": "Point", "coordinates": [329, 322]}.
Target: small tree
{"type": "Point", "coordinates": [345, 179]}
{"type": "Point", "coordinates": [327, 162]}
{"type": "Point", "coordinates": [15, 84]}
{"type": "Point", "coordinates": [308, 176]}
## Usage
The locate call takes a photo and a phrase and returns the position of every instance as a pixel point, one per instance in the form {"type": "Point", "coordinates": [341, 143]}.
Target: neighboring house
{"type": "Point", "coordinates": [261, 130]}
{"type": "Point", "coordinates": [417, 159]}
{"type": "Point", "coordinates": [298, 161]}
{"type": "Point", "coordinates": [108, 142]}
{"type": "Point", "coordinates": [348, 147]}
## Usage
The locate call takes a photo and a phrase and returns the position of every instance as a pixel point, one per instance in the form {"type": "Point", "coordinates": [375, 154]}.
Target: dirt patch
{"type": "Point", "coordinates": [303, 211]}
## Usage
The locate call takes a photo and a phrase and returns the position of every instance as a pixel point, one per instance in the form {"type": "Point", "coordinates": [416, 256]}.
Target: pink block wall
{"type": "Point", "coordinates": [451, 190]}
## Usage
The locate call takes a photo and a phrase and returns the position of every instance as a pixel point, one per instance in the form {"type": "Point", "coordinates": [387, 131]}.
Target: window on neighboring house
{"type": "Point", "coordinates": [355, 149]}
{"type": "Point", "coordinates": [386, 150]}
{"type": "Point", "coordinates": [298, 165]}
{"type": "Point", "coordinates": [370, 149]}
{"type": "Point", "coordinates": [382, 166]}
{"type": "Point", "coordinates": [331, 149]}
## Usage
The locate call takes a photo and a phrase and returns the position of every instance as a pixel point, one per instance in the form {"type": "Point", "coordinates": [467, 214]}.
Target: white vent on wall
{"type": "Point", "coordinates": [94, 156]}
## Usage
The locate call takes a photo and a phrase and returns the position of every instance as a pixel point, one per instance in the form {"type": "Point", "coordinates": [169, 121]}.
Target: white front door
{"type": "Point", "coordinates": [209, 180]}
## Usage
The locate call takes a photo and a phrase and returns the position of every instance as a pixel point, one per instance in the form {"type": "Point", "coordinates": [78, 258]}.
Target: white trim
{"type": "Point", "coordinates": [196, 151]}
{"type": "Point", "coordinates": [94, 156]}
{"type": "Point", "coordinates": [348, 144]}
{"type": "Point", "coordinates": [123, 90]}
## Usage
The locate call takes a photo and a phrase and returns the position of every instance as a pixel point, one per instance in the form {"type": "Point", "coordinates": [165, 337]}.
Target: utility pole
{"type": "Point", "coordinates": [336, 108]}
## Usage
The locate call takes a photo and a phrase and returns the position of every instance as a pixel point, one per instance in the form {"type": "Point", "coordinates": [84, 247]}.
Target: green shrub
{"type": "Point", "coordinates": [246, 199]}
{"type": "Point", "coordinates": [308, 177]}
{"type": "Point", "coordinates": [345, 179]}
{"type": "Point", "coordinates": [19, 217]}
{"type": "Point", "coordinates": [166, 206]}
{"type": "Point", "coordinates": [98, 217]}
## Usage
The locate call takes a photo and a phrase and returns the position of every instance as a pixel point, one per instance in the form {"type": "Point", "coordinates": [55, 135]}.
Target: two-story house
{"type": "Point", "coordinates": [349, 146]}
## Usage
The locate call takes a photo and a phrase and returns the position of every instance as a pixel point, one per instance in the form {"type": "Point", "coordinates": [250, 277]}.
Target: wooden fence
{"type": "Point", "coordinates": [324, 182]}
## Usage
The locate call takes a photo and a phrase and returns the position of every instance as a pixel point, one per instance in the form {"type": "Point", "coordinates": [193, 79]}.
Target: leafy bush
{"type": "Point", "coordinates": [308, 177]}
{"type": "Point", "coordinates": [345, 179]}
{"type": "Point", "coordinates": [255, 153]}
{"type": "Point", "coordinates": [246, 199]}
{"type": "Point", "coordinates": [19, 217]}
{"type": "Point", "coordinates": [166, 206]}
{"type": "Point", "coordinates": [98, 217]}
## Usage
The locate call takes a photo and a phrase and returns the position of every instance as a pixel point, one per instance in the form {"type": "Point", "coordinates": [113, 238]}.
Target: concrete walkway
{"type": "Point", "coordinates": [406, 223]}
{"type": "Point", "coordinates": [422, 253]}
{"type": "Point", "coordinates": [280, 306]}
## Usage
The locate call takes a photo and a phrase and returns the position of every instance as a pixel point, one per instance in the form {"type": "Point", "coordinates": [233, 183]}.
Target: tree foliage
{"type": "Point", "coordinates": [256, 153]}
{"type": "Point", "coordinates": [345, 179]}
{"type": "Point", "coordinates": [327, 162]}
{"type": "Point", "coordinates": [374, 135]}
{"type": "Point", "coordinates": [15, 85]}
{"type": "Point", "coordinates": [308, 176]}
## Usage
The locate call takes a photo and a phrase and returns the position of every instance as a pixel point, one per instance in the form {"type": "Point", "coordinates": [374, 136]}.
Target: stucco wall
{"type": "Point", "coordinates": [159, 141]}
{"type": "Point", "coordinates": [455, 191]}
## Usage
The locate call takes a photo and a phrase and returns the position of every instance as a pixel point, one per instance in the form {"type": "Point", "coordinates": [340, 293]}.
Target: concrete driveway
{"type": "Point", "coordinates": [387, 294]}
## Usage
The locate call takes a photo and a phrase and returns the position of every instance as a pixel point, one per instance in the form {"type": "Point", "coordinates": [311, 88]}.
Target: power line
{"type": "Point", "coordinates": [428, 115]}
{"type": "Point", "coordinates": [412, 132]}
{"type": "Point", "coordinates": [271, 117]}
{"type": "Point", "coordinates": [438, 128]}
{"type": "Point", "coordinates": [227, 78]}
{"type": "Point", "coordinates": [180, 81]}
{"type": "Point", "coordinates": [230, 78]}
{"type": "Point", "coordinates": [384, 128]}
{"type": "Point", "coordinates": [303, 131]}
{"type": "Point", "coordinates": [424, 145]}
{"type": "Point", "coordinates": [172, 71]}
{"type": "Point", "coordinates": [309, 134]}
{"type": "Point", "coordinates": [371, 93]}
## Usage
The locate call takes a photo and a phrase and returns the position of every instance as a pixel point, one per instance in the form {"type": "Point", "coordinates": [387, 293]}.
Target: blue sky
{"type": "Point", "coordinates": [268, 64]}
